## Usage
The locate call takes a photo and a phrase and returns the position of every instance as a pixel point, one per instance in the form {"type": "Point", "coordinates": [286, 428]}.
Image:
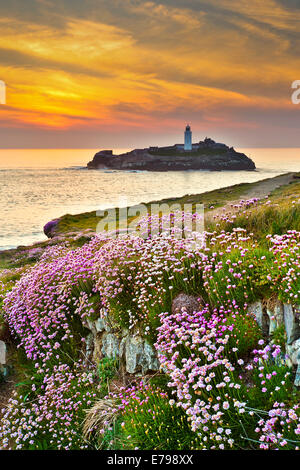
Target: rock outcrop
{"type": "Point", "coordinates": [270, 317]}
{"type": "Point", "coordinates": [206, 155]}
{"type": "Point", "coordinates": [3, 359]}
{"type": "Point", "coordinates": [135, 354]}
{"type": "Point", "coordinates": [49, 228]}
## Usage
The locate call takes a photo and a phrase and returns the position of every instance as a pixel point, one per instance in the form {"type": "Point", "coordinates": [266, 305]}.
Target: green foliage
{"type": "Point", "coordinates": [110, 437]}
{"type": "Point", "coordinates": [272, 382]}
{"type": "Point", "coordinates": [107, 370]}
{"type": "Point", "coordinates": [245, 333]}
{"type": "Point", "coordinates": [242, 278]}
{"type": "Point", "coordinates": [155, 424]}
{"type": "Point", "coordinates": [159, 381]}
{"type": "Point", "coordinates": [275, 216]}
{"type": "Point", "coordinates": [279, 337]}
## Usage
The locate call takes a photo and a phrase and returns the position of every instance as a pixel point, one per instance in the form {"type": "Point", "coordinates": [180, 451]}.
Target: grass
{"type": "Point", "coordinates": [152, 423]}
{"type": "Point", "coordinates": [216, 198]}
{"type": "Point", "coordinates": [107, 370]}
{"type": "Point", "coordinates": [277, 216]}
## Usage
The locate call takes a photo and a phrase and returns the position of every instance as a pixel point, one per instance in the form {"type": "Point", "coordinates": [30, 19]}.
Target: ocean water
{"type": "Point", "coordinates": [39, 185]}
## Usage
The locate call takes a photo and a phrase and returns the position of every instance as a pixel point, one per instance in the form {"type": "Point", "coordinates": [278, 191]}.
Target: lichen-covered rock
{"type": "Point", "coordinates": [137, 355]}
{"type": "Point", "coordinates": [297, 377]}
{"type": "Point", "coordinates": [278, 313]}
{"type": "Point", "coordinates": [110, 345]}
{"type": "Point", "coordinates": [293, 351]}
{"type": "Point", "coordinates": [102, 325]}
{"type": "Point", "coordinates": [264, 317]}
{"type": "Point", "coordinates": [97, 326]}
{"type": "Point", "coordinates": [256, 309]}
{"type": "Point", "coordinates": [291, 323]}
{"type": "Point", "coordinates": [272, 321]}
{"type": "Point", "coordinates": [2, 353]}
{"type": "Point", "coordinates": [89, 349]}
{"type": "Point", "coordinates": [151, 362]}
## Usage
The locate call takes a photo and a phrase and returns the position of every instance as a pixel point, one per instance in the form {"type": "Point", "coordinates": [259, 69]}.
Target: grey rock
{"type": "Point", "coordinates": [138, 355]}
{"type": "Point", "coordinates": [134, 349]}
{"type": "Point", "coordinates": [101, 325]}
{"type": "Point", "coordinates": [151, 362]}
{"type": "Point", "coordinates": [110, 345]}
{"type": "Point", "coordinates": [89, 347]}
{"type": "Point", "coordinates": [297, 378]}
{"type": "Point", "coordinates": [50, 228]}
{"type": "Point", "coordinates": [272, 321]}
{"type": "Point", "coordinates": [293, 351]}
{"type": "Point", "coordinates": [292, 326]}
{"type": "Point", "coordinates": [278, 313]}
{"type": "Point", "coordinates": [262, 317]}
{"type": "Point", "coordinates": [2, 353]}
{"type": "Point", "coordinates": [98, 326]}
{"type": "Point", "coordinates": [257, 310]}
{"type": "Point", "coordinates": [91, 326]}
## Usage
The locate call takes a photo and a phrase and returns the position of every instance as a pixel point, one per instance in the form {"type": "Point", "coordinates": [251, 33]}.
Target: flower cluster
{"type": "Point", "coordinates": [280, 429]}
{"type": "Point", "coordinates": [208, 377]}
{"type": "Point", "coordinates": [193, 350]}
{"type": "Point", "coordinates": [50, 415]}
{"type": "Point", "coordinates": [241, 207]}
{"type": "Point", "coordinates": [217, 385]}
{"type": "Point", "coordinates": [287, 264]}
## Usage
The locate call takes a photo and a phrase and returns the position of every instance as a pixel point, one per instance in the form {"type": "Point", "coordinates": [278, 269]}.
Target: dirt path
{"type": "Point", "coordinates": [260, 190]}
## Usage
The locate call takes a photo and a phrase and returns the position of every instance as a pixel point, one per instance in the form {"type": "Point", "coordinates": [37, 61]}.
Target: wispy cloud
{"type": "Point", "coordinates": [135, 64]}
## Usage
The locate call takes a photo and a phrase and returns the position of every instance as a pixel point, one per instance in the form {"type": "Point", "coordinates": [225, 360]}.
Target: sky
{"type": "Point", "coordinates": [132, 73]}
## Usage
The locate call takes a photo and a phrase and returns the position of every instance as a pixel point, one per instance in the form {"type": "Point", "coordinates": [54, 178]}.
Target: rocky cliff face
{"type": "Point", "coordinates": [206, 155]}
{"type": "Point", "coordinates": [137, 356]}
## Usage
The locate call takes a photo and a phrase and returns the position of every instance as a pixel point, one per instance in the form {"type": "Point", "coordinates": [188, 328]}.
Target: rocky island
{"type": "Point", "coordinates": [205, 155]}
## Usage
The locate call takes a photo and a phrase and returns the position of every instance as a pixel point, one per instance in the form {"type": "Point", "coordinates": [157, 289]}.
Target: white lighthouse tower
{"type": "Point", "coordinates": [188, 138]}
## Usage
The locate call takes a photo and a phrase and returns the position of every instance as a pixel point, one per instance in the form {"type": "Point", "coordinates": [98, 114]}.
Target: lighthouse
{"type": "Point", "coordinates": [188, 138]}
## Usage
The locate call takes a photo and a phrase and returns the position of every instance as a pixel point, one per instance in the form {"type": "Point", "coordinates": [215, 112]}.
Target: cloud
{"type": "Point", "coordinates": [132, 64]}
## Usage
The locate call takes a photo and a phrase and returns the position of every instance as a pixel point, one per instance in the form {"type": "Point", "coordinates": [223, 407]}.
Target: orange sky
{"type": "Point", "coordinates": [126, 73]}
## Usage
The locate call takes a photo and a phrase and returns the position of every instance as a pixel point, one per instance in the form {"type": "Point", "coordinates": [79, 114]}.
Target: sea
{"type": "Point", "coordinates": [37, 186]}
